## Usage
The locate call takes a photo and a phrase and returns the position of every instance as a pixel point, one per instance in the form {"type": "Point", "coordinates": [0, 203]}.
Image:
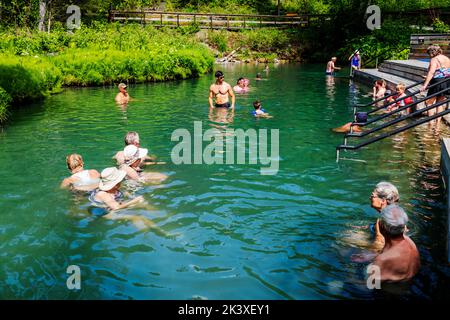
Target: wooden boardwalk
{"type": "Point", "coordinates": [212, 21]}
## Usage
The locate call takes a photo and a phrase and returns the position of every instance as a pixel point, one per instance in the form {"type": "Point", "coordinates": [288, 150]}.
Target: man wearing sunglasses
{"type": "Point", "coordinates": [221, 90]}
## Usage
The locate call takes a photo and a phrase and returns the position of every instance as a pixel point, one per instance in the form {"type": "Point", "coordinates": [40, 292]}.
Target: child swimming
{"type": "Point", "coordinates": [259, 112]}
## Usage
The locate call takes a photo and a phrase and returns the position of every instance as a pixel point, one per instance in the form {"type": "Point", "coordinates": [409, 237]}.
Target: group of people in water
{"type": "Point", "coordinates": [221, 91]}
{"type": "Point", "coordinates": [104, 189]}
{"type": "Point", "coordinates": [392, 250]}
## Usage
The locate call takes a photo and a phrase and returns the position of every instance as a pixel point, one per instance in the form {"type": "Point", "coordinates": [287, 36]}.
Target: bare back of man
{"type": "Point", "coordinates": [399, 260]}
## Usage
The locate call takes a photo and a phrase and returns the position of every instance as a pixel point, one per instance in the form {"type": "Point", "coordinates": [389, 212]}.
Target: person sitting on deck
{"type": "Point", "coordinates": [399, 259]}
{"type": "Point", "coordinates": [132, 138]}
{"type": "Point", "coordinates": [133, 158]}
{"type": "Point", "coordinates": [400, 89]}
{"type": "Point", "coordinates": [81, 179]}
{"type": "Point", "coordinates": [259, 112]}
{"type": "Point", "coordinates": [122, 97]}
{"type": "Point", "coordinates": [331, 67]}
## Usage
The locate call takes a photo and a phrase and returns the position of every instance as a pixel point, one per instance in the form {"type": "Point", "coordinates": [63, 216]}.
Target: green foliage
{"type": "Point", "coordinates": [218, 39]}
{"type": "Point", "coordinates": [28, 78]}
{"type": "Point", "coordinates": [5, 100]}
{"type": "Point", "coordinates": [440, 26]}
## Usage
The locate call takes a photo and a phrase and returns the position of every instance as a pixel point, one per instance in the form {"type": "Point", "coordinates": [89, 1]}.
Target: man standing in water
{"type": "Point", "coordinates": [122, 97]}
{"type": "Point", "coordinates": [220, 90]}
{"type": "Point", "coordinates": [331, 67]}
{"type": "Point", "coordinates": [399, 260]}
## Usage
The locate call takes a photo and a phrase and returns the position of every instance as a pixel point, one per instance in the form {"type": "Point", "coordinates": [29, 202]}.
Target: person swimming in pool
{"type": "Point", "coordinates": [81, 179]}
{"type": "Point", "coordinates": [259, 112]}
{"type": "Point", "coordinates": [133, 158]}
{"type": "Point", "coordinates": [220, 90]}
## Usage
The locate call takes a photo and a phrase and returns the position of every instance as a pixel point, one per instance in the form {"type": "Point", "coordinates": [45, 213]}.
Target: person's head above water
{"type": "Point", "coordinates": [380, 83]}
{"type": "Point", "coordinates": [122, 86]}
{"type": "Point", "coordinates": [393, 220]}
{"type": "Point", "coordinates": [74, 161]}
{"type": "Point", "coordinates": [384, 194]}
{"type": "Point", "coordinates": [257, 104]}
{"type": "Point", "coordinates": [333, 59]}
{"type": "Point", "coordinates": [219, 75]}
{"type": "Point", "coordinates": [400, 88]}
{"type": "Point", "coordinates": [110, 178]}
{"type": "Point", "coordinates": [132, 137]}
{"type": "Point", "coordinates": [258, 75]}
{"type": "Point", "coordinates": [239, 81]}
{"type": "Point", "coordinates": [132, 154]}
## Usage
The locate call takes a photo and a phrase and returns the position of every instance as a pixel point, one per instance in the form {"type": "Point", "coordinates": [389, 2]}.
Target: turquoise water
{"type": "Point", "coordinates": [228, 232]}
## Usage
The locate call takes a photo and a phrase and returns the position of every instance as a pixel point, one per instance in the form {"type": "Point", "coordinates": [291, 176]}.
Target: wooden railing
{"type": "Point", "coordinates": [420, 42]}
{"type": "Point", "coordinates": [210, 20]}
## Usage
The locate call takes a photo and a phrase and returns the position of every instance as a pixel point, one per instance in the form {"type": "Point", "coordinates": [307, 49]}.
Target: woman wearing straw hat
{"type": "Point", "coordinates": [133, 157]}
{"type": "Point", "coordinates": [108, 194]}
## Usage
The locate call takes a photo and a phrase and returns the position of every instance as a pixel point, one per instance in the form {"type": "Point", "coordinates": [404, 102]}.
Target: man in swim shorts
{"type": "Point", "coordinates": [221, 90]}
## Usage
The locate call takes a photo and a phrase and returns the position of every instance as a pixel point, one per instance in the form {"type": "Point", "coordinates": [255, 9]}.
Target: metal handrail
{"type": "Point", "coordinates": [359, 124]}
{"type": "Point", "coordinates": [385, 97]}
{"type": "Point", "coordinates": [398, 130]}
{"type": "Point", "coordinates": [407, 96]}
{"type": "Point", "coordinates": [395, 121]}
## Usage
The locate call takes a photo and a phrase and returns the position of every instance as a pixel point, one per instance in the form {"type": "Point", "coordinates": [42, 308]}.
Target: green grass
{"type": "Point", "coordinates": [34, 65]}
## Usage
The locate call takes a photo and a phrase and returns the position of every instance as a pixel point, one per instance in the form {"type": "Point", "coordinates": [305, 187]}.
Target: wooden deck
{"type": "Point", "coordinates": [212, 21]}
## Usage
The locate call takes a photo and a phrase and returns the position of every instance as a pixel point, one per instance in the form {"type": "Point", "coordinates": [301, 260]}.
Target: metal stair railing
{"type": "Point", "coordinates": [398, 130]}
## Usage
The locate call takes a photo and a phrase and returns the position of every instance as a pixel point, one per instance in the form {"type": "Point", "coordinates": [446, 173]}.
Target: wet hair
{"type": "Point", "coordinates": [381, 82]}
{"type": "Point", "coordinates": [258, 75]}
{"type": "Point", "coordinates": [434, 50]}
{"type": "Point", "coordinates": [257, 104]}
{"type": "Point", "coordinates": [219, 74]}
{"type": "Point", "coordinates": [237, 82]}
{"type": "Point", "coordinates": [394, 219]}
{"type": "Point", "coordinates": [74, 161]}
{"type": "Point", "coordinates": [387, 191]}
{"type": "Point", "coordinates": [131, 137]}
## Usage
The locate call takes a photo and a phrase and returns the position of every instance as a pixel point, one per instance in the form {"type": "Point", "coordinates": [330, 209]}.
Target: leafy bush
{"type": "Point", "coordinates": [5, 100]}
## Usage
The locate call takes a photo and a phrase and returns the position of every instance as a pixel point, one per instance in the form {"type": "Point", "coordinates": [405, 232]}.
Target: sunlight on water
{"type": "Point", "coordinates": [223, 231]}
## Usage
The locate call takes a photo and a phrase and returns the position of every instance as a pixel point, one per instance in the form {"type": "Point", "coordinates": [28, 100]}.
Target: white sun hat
{"type": "Point", "coordinates": [133, 153]}
{"type": "Point", "coordinates": [110, 177]}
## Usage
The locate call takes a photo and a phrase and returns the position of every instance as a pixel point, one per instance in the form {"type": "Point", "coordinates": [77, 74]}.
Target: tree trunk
{"type": "Point", "coordinates": [49, 14]}
{"type": "Point", "coordinates": [42, 10]}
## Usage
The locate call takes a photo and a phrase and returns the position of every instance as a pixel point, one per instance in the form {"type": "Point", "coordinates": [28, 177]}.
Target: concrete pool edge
{"type": "Point", "coordinates": [445, 173]}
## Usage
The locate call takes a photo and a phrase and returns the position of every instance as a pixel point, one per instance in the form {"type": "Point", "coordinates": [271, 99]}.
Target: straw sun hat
{"type": "Point", "coordinates": [133, 153]}
{"type": "Point", "coordinates": [110, 177]}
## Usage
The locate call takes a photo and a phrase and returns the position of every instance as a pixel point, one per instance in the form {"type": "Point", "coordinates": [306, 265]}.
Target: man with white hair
{"type": "Point", "coordinates": [399, 260]}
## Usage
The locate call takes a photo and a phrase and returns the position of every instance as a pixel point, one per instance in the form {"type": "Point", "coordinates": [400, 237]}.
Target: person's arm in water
{"type": "Point", "coordinates": [233, 98]}
{"type": "Point", "coordinates": [113, 205]}
{"type": "Point", "coordinates": [66, 183]}
{"type": "Point", "coordinates": [210, 98]}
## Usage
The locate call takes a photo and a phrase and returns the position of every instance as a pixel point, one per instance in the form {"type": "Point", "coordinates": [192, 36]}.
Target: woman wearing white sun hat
{"type": "Point", "coordinates": [133, 157]}
{"type": "Point", "coordinates": [108, 194]}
